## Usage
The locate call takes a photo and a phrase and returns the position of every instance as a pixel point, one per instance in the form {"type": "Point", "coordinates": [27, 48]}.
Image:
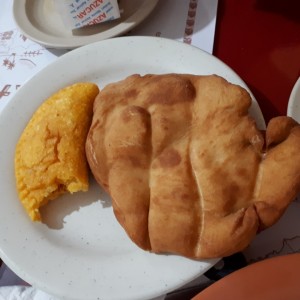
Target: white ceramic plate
{"type": "Point", "coordinates": [294, 102]}
{"type": "Point", "coordinates": [39, 21]}
{"type": "Point", "coordinates": [80, 251]}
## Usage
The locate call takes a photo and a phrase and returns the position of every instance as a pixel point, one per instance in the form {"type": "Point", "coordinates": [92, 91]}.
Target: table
{"type": "Point", "coordinates": [260, 40]}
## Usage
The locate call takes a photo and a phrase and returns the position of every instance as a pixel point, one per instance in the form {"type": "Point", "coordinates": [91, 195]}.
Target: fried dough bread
{"type": "Point", "coordinates": [186, 167]}
{"type": "Point", "coordinates": [50, 155]}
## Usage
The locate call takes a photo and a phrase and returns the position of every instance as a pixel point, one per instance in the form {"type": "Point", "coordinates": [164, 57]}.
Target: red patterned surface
{"type": "Point", "coordinates": [190, 21]}
{"type": "Point", "coordinates": [260, 40]}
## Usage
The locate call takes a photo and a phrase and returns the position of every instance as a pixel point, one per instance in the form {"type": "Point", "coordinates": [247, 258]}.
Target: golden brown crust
{"type": "Point", "coordinates": [278, 181]}
{"type": "Point", "coordinates": [50, 155]}
{"type": "Point", "coordinates": [185, 164]}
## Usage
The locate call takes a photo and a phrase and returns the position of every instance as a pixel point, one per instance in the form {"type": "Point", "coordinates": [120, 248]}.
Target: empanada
{"type": "Point", "coordinates": [50, 155]}
{"type": "Point", "coordinates": [187, 168]}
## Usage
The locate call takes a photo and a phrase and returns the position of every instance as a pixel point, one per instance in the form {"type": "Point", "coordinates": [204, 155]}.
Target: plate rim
{"type": "Point", "coordinates": [167, 42]}
{"type": "Point", "coordinates": [28, 29]}
{"type": "Point", "coordinates": [293, 101]}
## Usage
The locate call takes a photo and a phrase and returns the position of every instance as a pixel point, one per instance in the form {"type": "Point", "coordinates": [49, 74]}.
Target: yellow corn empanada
{"type": "Point", "coordinates": [50, 155]}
